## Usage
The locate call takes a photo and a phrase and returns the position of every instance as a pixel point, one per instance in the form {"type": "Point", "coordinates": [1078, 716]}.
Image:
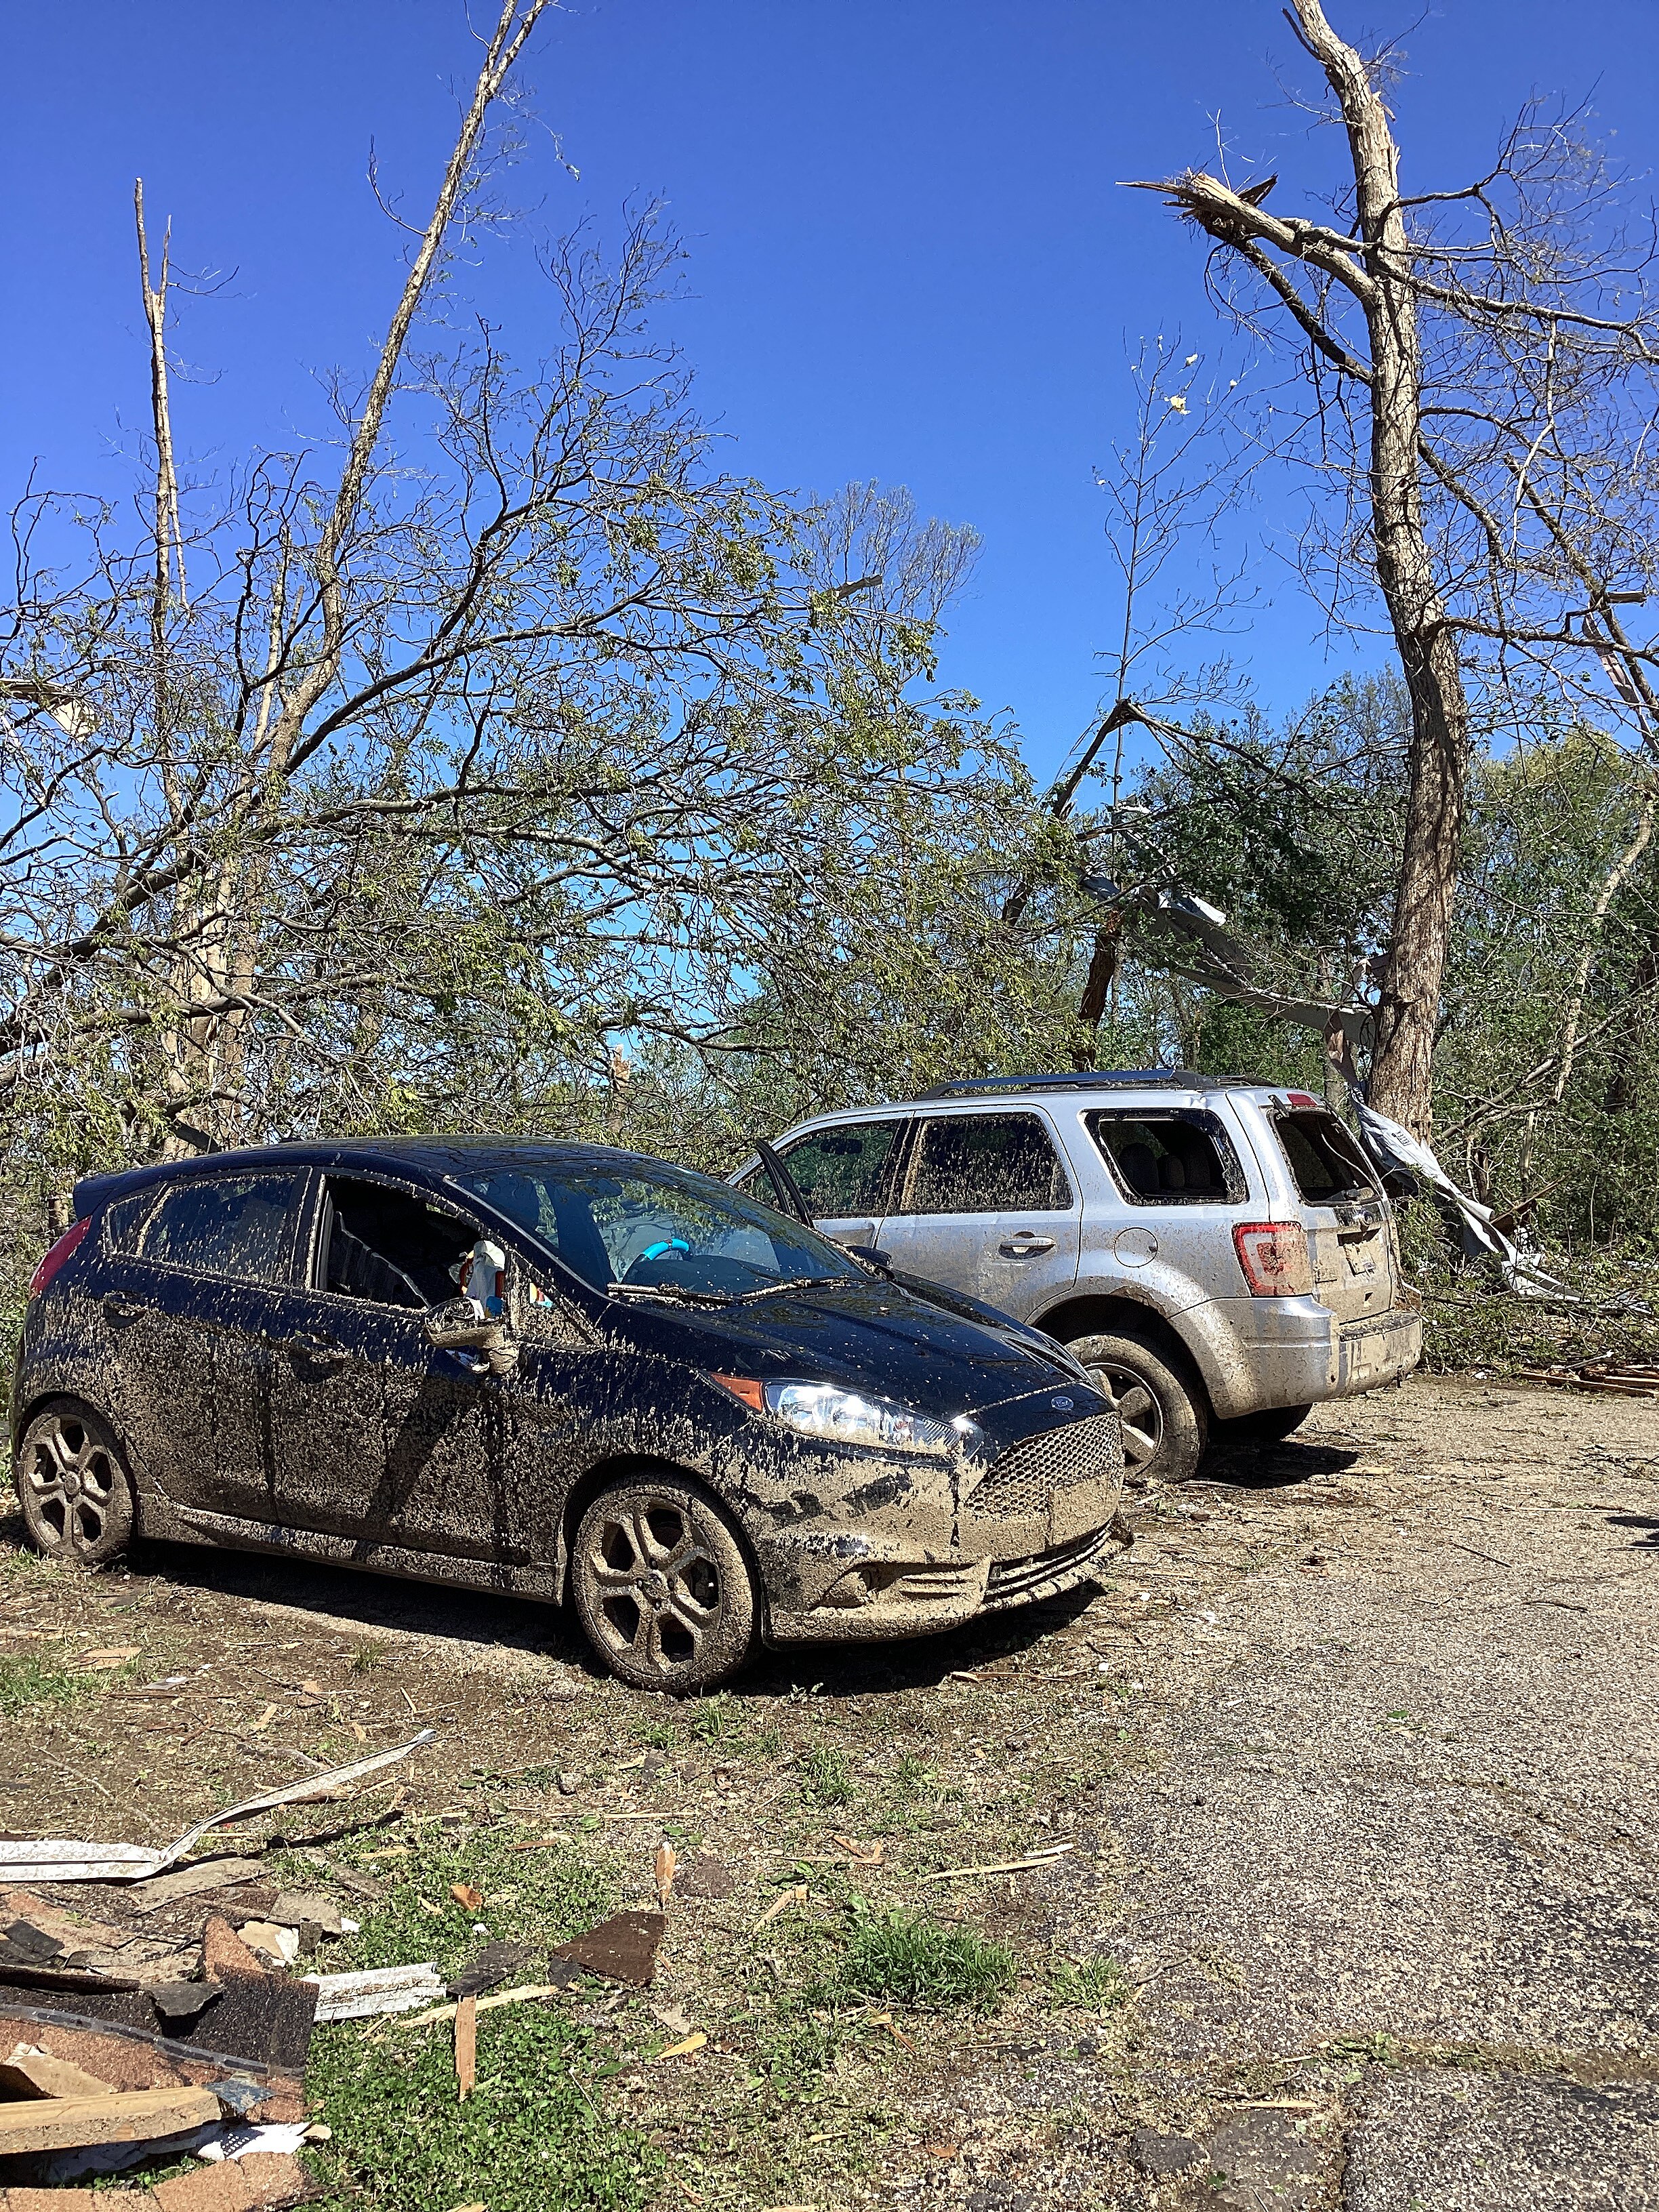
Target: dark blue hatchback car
{"type": "Point", "coordinates": [556, 1369]}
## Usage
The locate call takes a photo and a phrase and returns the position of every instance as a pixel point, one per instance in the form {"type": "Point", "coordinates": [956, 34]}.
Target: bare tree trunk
{"type": "Point", "coordinates": [1438, 767]}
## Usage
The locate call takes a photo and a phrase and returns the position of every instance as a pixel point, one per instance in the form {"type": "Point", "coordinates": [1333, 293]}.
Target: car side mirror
{"type": "Point", "coordinates": [872, 1255]}
{"type": "Point", "coordinates": [458, 1325]}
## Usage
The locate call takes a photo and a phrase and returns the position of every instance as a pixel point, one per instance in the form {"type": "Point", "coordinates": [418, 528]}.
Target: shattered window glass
{"type": "Point", "coordinates": [389, 1246]}
{"type": "Point", "coordinates": [1177, 1157]}
{"type": "Point", "coordinates": [666, 1231]}
{"type": "Point", "coordinates": [846, 1169]}
{"type": "Point", "coordinates": [238, 1226]}
{"type": "Point", "coordinates": [1325, 1161]}
{"type": "Point", "coordinates": [986, 1163]}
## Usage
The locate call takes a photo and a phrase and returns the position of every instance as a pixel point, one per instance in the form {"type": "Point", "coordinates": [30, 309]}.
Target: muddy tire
{"type": "Point", "coordinates": [1270, 1426]}
{"type": "Point", "coordinates": [73, 1486]}
{"type": "Point", "coordinates": [661, 1584]}
{"type": "Point", "coordinates": [1165, 1423]}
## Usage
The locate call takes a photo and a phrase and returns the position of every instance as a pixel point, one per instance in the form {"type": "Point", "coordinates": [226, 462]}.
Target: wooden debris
{"type": "Point", "coordinates": [665, 1867]}
{"type": "Point", "coordinates": [780, 1903]}
{"type": "Point", "coordinates": [31, 2072]}
{"type": "Point", "coordinates": [466, 2046]}
{"type": "Point", "coordinates": [470, 1899]}
{"type": "Point", "coordinates": [532, 1993]}
{"type": "Point", "coordinates": [1030, 1864]}
{"type": "Point", "coordinates": [684, 2047]}
{"type": "Point", "coordinates": [1613, 1378]}
{"type": "Point", "coordinates": [117, 2117]}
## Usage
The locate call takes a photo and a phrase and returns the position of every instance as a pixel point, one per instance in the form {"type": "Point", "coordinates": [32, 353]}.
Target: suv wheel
{"type": "Point", "coordinates": [73, 1487]}
{"type": "Point", "coordinates": [1165, 1427]}
{"type": "Point", "coordinates": [661, 1584]}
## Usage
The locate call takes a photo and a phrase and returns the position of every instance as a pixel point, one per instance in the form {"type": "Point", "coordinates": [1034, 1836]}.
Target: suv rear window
{"type": "Point", "coordinates": [1324, 1159]}
{"type": "Point", "coordinates": [1182, 1156]}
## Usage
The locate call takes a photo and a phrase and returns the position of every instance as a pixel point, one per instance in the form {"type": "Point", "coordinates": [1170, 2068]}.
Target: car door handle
{"type": "Point", "coordinates": [117, 1308]}
{"type": "Point", "coordinates": [321, 1350]}
{"type": "Point", "coordinates": [1025, 1241]}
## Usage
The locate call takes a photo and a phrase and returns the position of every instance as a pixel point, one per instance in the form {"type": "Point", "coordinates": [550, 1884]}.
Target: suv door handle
{"type": "Point", "coordinates": [119, 1308]}
{"type": "Point", "coordinates": [322, 1350]}
{"type": "Point", "coordinates": [1025, 1241]}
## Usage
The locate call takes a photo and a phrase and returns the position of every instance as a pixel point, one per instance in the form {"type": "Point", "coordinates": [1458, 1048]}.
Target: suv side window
{"type": "Point", "coordinates": [845, 1169]}
{"type": "Point", "coordinates": [388, 1246]}
{"type": "Point", "coordinates": [241, 1226]}
{"type": "Point", "coordinates": [985, 1164]}
{"type": "Point", "coordinates": [1183, 1157]}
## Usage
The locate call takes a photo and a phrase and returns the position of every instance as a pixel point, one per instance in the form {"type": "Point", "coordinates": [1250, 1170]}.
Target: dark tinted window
{"type": "Point", "coordinates": [240, 1226]}
{"type": "Point", "coordinates": [986, 1163]}
{"type": "Point", "coordinates": [391, 1247]}
{"type": "Point", "coordinates": [1325, 1162]}
{"type": "Point", "coordinates": [842, 1170]}
{"type": "Point", "coordinates": [1172, 1158]}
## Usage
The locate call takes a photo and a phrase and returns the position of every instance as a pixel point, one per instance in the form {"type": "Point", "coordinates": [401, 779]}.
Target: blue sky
{"type": "Point", "coordinates": [909, 258]}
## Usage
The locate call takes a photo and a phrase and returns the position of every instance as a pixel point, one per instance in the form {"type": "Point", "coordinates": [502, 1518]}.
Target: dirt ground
{"type": "Point", "coordinates": [1355, 1755]}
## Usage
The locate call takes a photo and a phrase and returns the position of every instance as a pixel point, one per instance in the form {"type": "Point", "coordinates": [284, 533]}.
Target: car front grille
{"type": "Point", "coordinates": [1024, 1481]}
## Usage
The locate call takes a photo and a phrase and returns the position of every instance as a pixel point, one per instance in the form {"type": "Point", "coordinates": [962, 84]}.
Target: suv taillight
{"type": "Point", "coordinates": [55, 1259]}
{"type": "Point", "coordinates": [1274, 1257]}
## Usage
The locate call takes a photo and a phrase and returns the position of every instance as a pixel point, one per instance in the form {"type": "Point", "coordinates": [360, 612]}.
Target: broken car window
{"type": "Point", "coordinates": [845, 1170]}
{"type": "Point", "coordinates": [388, 1246]}
{"type": "Point", "coordinates": [986, 1163]}
{"type": "Point", "coordinates": [1173, 1159]}
{"type": "Point", "coordinates": [1325, 1162]}
{"type": "Point", "coordinates": [664, 1230]}
{"type": "Point", "coordinates": [237, 1226]}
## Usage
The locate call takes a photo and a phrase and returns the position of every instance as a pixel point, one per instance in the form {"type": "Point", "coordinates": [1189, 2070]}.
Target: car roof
{"type": "Point", "coordinates": [1095, 1078]}
{"type": "Point", "coordinates": [433, 1158]}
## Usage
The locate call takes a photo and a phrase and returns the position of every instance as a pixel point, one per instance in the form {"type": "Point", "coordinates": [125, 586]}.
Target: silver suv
{"type": "Point", "coordinates": [1217, 1251]}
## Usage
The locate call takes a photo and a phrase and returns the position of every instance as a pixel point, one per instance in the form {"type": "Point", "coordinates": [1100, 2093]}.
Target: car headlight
{"type": "Point", "coordinates": [842, 1417]}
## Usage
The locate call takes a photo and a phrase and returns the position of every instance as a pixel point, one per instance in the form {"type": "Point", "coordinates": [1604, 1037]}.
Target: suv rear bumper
{"type": "Point", "coordinates": [1256, 1354]}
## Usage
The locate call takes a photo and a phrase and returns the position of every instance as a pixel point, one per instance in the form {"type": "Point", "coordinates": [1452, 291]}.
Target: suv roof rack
{"type": "Point", "coordinates": [1098, 1079]}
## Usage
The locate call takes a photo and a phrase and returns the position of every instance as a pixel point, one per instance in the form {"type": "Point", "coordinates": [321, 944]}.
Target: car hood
{"type": "Point", "coordinates": [875, 1337]}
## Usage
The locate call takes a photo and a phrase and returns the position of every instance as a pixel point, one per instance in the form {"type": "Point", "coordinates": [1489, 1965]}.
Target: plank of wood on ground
{"type": "Point", "coordinates": [80, 2123]}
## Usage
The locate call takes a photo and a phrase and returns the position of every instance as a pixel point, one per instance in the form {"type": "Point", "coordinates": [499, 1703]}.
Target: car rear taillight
{"type": "Point", "coordinates": [1274, 1257]}
{"type": "Point", "coordinates": [55, 1259]}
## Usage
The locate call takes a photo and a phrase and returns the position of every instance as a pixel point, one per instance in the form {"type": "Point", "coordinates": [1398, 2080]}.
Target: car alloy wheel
{"type": "Point", "coordinates": [662, 1586]}
{"type": "Point", "coordinates": [1165, 1423]}
{"type": "Point", "coordinates": [1139, 1415]}
{"type": "Point", "coordinates": [76, 1500]}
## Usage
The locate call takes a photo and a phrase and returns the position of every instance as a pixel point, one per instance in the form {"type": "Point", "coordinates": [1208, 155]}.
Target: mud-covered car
{"type": "Point", "coordinates": [559, 1371]}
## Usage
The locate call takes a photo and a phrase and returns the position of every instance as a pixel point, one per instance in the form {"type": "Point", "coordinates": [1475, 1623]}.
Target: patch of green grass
{"type": "Point", "coordinates": [905, 1959]}
{"type": "Point", "coordinates": [912, 1775]}
{"type": "Point", "coordinates": [827, 1780]}
{"type": "Point", "coordinates": [1095, 1983]}
{"type": "Point", "coordinates": [29, 1679]}
{"type": "Point", "coordinates": [554, 1894]}
{"type": "Point", "coordinates": [714, 1719]}
{"type": "Point", "coordinates": [656, 1735]}
{"type": "Point", "coordinates": [367, 1657]}
{"type": "Point", "coordinates": [532, 2137]}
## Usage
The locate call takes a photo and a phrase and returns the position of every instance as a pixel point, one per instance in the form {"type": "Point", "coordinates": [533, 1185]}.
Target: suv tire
{"type": "Point", "coordinates": [662, 1586]}
{"type": "Point", "coordinates": [1165, 1423]}
{"type": "Point", "coordinates": [73, 1486]}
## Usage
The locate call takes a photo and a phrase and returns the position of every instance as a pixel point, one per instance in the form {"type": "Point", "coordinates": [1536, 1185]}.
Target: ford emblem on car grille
{"type": "Point", "coordinates": [1060, 1405]}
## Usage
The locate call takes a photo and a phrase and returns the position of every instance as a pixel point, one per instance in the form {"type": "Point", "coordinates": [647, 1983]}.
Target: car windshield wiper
{"type": "Point", "coordinates": [791, 1283]}
{"type": "Point", "coordinates": [676, 1293]}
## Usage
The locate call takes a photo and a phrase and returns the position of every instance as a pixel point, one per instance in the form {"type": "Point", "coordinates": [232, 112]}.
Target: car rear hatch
{"type": "Point", "coordinates": [1349, 1222]}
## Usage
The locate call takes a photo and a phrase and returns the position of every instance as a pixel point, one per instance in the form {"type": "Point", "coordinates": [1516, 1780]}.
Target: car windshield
{"type": "Point", "coordinates": [660, 1230]}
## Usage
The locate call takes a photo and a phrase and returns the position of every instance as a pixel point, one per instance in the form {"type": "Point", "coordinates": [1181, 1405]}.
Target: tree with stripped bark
{"type": "Point", "coordinates": [1472, 408]}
